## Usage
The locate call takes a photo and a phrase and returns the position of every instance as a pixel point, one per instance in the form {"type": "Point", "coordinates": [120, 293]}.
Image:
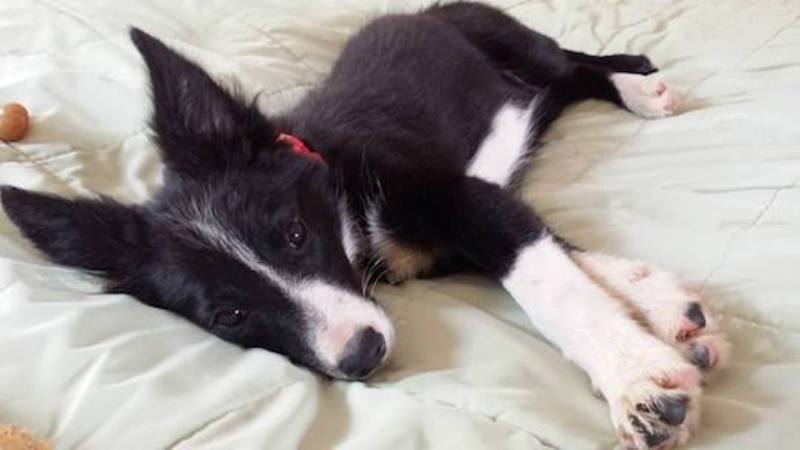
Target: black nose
{"type": "Point", "coordinates": [363, 353]}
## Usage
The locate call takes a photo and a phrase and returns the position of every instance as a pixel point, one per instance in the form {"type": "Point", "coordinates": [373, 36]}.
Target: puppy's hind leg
{"type": "Point", "coordinates": [538, 60]}
{"type": "Point", "coordinates": [623, 63]}
{"type": "Point", "coordinates": [508, 44]}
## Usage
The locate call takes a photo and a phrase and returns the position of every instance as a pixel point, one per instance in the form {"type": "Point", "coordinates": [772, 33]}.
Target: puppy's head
{"type": "Point", "coordinates": [245, 239]}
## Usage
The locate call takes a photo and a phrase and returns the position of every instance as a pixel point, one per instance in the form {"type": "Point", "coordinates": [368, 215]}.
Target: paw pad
{"type": "Point", "coordinates": [693, 320]}
{"type": "Point", "coordinates": [700, 356]}
{"type": "Point", "coordinates": [695, 314]}
{"type": "Point", "coordinates": [655, 416]}
{"type": "Point", "coordinates": [657, 87]}
{"type": "Point", "coordinates": [647, 97]}
{"type": "Point", "coordinates": [652, 436]}
{"type": "Point", "coordinates": [672, 410]}
{"type": "Point", "coordinates": [707, 352]}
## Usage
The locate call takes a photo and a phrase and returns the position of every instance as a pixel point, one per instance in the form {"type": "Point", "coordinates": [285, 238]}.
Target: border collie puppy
{"type": "Point", "coordinates": [402, 161]}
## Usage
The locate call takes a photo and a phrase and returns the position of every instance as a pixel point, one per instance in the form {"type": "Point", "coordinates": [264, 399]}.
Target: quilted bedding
{"type": "Point", "coordinates": [711, 194]}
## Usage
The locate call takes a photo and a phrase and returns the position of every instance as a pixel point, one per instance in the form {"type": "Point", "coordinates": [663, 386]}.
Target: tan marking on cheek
{"type": "Point", "coordinates": [404, 262]}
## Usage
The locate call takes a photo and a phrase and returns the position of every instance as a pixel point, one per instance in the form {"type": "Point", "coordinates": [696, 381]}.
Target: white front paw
{"type": "Point", "coordinates": [658, 411]}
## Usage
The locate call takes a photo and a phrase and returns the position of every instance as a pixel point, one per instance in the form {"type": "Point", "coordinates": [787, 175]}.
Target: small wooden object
{"type": "Point", "coordinates": [16, 438]}
{"type": "Point", "coordinates": [14, 122]}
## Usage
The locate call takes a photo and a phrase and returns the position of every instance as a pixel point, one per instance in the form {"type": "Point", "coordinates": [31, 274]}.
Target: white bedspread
{"type": "Point", "coordinates": [711, 194]}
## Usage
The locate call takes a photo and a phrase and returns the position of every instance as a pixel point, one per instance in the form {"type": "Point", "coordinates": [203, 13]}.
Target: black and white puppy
{"type": "Point", "coordinates": [417, 136]}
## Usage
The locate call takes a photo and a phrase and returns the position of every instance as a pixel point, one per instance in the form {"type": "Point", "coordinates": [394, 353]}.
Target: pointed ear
{"type": "Point", "coordinates": [199, 126]}
{"type": "Point", "coordinates": [96, 235]}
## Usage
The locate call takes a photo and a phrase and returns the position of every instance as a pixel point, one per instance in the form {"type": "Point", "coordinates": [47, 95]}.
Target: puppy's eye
{"type": "Point", "coordinates": [296, 234]}
{"type": "Point", "coordinates": [230, 317]}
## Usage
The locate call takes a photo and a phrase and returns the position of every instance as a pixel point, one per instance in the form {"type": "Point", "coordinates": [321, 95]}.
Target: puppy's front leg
{"type": "Point", "coordinates": [653, 393]}
{"type": "Point", "coordinates": [678, 315]}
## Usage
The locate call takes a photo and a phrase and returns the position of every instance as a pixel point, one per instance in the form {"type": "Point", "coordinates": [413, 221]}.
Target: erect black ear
{"type": "Point", "coordinates": [199, 126]}
{"type": "Point", "coordinates": [96, 235]}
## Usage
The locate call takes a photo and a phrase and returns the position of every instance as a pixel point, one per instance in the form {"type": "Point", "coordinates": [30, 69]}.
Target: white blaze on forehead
{"type": "Point", "coordinates": [505, 145]}
{"type": "Point", "coordinates": [215, 235]}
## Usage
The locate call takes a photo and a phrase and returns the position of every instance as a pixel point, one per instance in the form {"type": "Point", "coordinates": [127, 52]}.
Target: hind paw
{"type": "Point", "coordinates": [646, 96]}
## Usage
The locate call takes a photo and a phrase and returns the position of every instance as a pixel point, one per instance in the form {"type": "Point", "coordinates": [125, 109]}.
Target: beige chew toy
{"type": "Point", "coordinates": [13, 122]}
{"type": "Point", "coordinates": [16, 438]}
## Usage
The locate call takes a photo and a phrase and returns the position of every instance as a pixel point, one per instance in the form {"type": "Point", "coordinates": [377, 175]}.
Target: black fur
{"type": "Point", "coordinates": [397, 121]}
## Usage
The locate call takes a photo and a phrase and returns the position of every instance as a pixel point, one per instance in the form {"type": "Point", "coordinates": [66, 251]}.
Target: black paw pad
{"type": "Point", "coordinates": [700, 356]}
{"type": "Point", "coordinates": [637, 424]}
{"type": "Point", "coordinates": [695, 314]}
{"type": "Point", "coordinates": [652, 437]}
{"type": "Point", "coordinates": [672, 410]}
{"type": "Point", "coordinates": [656, 438]}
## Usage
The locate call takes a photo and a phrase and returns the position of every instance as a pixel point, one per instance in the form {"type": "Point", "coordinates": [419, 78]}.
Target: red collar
{"type": "Point", "coordinates": [299, 148]}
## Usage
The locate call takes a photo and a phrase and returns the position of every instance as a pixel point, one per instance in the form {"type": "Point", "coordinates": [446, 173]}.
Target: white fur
{"type": "Point", "coordinates": [646, 96]}
{"type": "Point", "coordinates": [214, 234]}
{"type": "Point", "coordinates": [661, 298]}
{"type": "Point", "coordinates": [350, 240]}
{"type": "Point", "coordinates": [375, 233]}
{"type": "Point", "coordinates": [337, 313]}
{"type": "Point", "coordinates": [341, 314]}
{"type": "Point", "coordinates": [626, 364]}
{"type": "Point", "coordinates": [654, 293]}
{"type": "Point", "coordinates": [505, 145]}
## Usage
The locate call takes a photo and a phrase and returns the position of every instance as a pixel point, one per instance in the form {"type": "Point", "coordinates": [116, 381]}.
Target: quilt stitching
{"type": "Point", "coordinates": [62, 180]}
{"type": "Point", "coordinates": [186, 437]}
{"type": "Point", "coordinates": [756, 323]}
{"type": "Point", "coordinates": [81, 21]}
{"type": "Point", "coordinates": [494, 419]}
{"type": "Point", "coordinates": [40, 161]}
{"type": "Point", "coordinates": [741, 60]}
{"type": "Point", "coordinates": [757, 220]}
{"type": "Point", "coordinates": [16, 54]}
{"type": "Point", "coordinates": [299, 58]}
{"type": "Point", "coordinates": [753, 224]}
{"type": "Point", "coordinates": [36, 161]}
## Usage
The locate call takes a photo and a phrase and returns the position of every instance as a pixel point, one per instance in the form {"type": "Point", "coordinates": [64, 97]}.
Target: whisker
{"type": "Point", "coordinates": [377, 280]}
{"type": "Point", "coordinates": [373, 267]}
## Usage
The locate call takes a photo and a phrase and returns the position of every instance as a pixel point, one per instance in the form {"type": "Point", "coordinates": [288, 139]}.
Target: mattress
{"type": "Point", "coordinates": [711, 194]}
